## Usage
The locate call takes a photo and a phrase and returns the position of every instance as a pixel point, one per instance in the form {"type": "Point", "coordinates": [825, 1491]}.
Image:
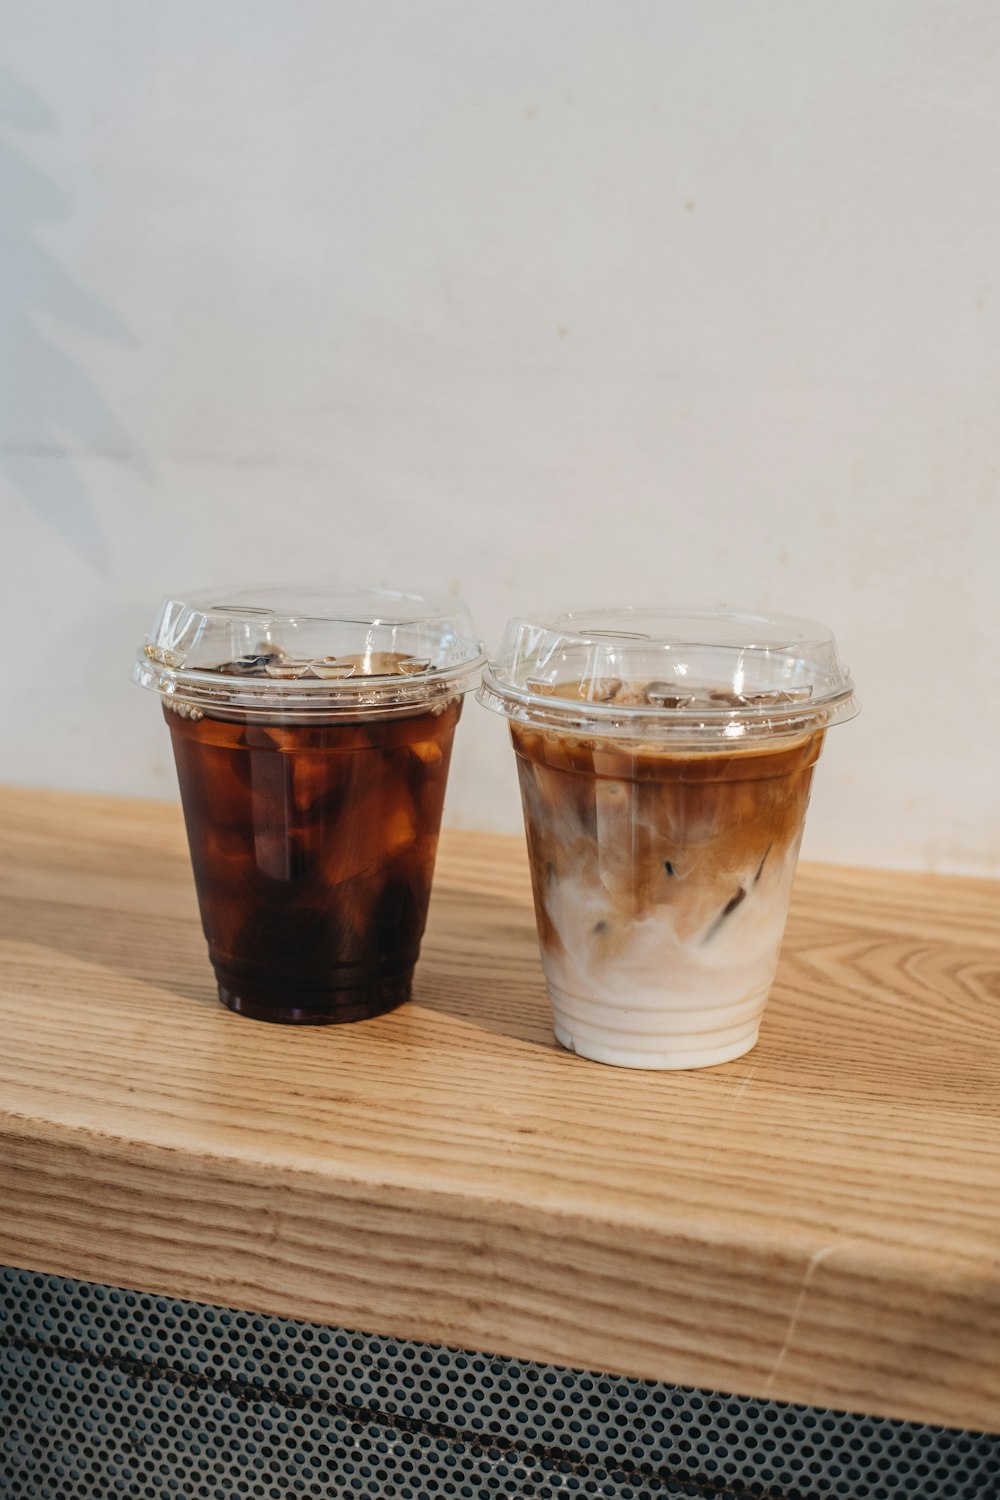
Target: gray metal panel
{"type": "Point", "coordinates": [107, 1392]}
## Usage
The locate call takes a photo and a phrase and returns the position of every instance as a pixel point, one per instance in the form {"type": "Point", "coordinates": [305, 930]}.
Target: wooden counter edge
{"type": "Point", "coordinates": [766, 1321]}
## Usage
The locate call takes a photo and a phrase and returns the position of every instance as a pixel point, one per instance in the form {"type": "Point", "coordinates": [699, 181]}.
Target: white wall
{"type": "Point", "coordinates": [680, 300]}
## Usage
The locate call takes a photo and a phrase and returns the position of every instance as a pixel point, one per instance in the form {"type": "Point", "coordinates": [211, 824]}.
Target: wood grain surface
{"type": "Point", "coordinates": [818, 1221]}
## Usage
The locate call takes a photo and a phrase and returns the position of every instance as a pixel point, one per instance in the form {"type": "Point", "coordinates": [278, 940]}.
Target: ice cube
{"type": "Point", "coordinates": [758, 700]}
{"type": "Point", "coordinates": [428, 751]}
{"type": "Point", "coordinates": [616, 838]}
{"type": "Point", "coordinates": [331, 669]}
{"type": "Point", "coordinates": [163, 656]}
{"type": "Point", "coordinates": [252, 665]}
{"type": "Point", "coordinates": [286, 667]}
{"type": "Point", "coordinates": [601, 690]}
{"type": "Point", "coordinates": [667, 695]}
{"type": "Point", "coordinates": [379, 663]}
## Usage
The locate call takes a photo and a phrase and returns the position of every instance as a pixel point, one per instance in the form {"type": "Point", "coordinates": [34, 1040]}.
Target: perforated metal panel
{"type": "Point", "coordinates": [106, 1392]}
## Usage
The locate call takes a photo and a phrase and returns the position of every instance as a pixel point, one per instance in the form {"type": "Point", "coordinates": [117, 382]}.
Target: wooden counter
{"type": "Point", "coordinates": [819, 1221]}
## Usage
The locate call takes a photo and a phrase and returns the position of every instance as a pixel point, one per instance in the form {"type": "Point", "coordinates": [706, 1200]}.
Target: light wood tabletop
{"type": "Point", "coordinates": [818, 1221]}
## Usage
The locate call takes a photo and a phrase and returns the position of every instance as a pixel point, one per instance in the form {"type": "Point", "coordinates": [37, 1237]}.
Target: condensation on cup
{"type": "Point", "coordinates": [312, 732]}
{"type": "Point", "coordinates": [665, 759]}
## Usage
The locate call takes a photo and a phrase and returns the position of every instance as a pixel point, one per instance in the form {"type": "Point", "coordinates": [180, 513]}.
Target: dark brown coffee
{"type": "Point", "coordinates": [313, 848]}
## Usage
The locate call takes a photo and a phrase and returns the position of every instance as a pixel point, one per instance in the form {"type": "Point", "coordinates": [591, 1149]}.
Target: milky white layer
{"type": "Point", "coordinates": [629, 991]}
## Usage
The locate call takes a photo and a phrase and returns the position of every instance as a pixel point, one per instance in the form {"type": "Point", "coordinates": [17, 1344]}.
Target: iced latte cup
{"type": "Point", "coordinates": [312, 733]}
{"type": "Point", "coordinates": [665, 760]}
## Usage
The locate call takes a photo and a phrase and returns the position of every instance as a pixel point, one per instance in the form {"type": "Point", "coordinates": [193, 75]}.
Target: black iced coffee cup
{"type": "Point", "coordinates": [312, 733]}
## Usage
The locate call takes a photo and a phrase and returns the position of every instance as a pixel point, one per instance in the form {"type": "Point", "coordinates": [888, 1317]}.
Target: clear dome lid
{"type": "Point", "coordinates": [309, 651]}
{"type": "Point", "coordinates": [691, 676]}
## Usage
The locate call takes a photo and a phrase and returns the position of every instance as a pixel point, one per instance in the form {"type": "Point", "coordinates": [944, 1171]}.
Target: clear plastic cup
{"type": "Point", "coordinates": [312, 733]}
{"type": "Point", "coordinates": [665, 759]}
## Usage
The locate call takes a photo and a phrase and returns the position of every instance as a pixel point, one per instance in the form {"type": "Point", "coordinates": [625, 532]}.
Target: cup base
{"type": "Point", "coordinates": [323, 1008]}
{"type": "Point", "coordinates": [666, 1030]}
{"type": "Point", "coordinates": [666, 1059]}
